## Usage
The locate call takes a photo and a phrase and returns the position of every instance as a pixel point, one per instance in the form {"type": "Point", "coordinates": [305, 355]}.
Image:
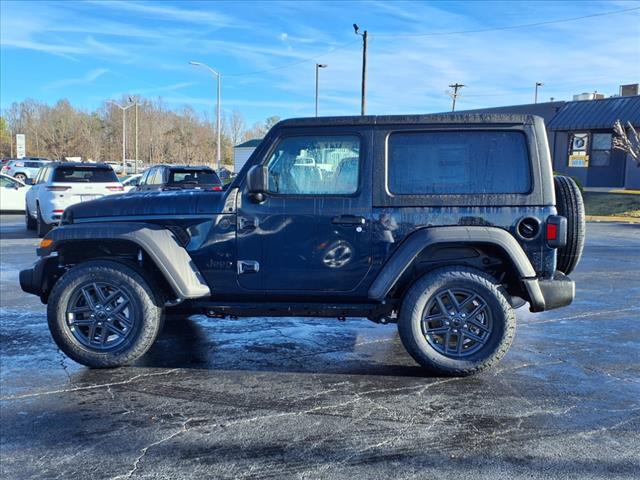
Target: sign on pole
{"type": "Point", "coordinates": [20, 145]}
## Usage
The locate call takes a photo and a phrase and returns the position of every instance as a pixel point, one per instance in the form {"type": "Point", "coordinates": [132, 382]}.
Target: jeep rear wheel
{"type": "Point", "coordinates": [104, 314]}
{"type": "Point", "coordinates": [456, 321]}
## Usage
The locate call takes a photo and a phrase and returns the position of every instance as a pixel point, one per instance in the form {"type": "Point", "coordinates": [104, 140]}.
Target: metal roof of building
{"type": "Point", "coordinates": [592, 114]}
{"type": "Point", "coordinates": [249, 143]}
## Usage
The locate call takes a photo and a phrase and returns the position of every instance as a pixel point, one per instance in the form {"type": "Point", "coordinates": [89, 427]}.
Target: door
{"type": "Point", "coordinates": [312, 232]}
{"type": "Point", "coordinates": [11, 194]}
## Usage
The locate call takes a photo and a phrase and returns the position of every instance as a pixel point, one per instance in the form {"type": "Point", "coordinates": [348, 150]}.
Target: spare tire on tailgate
{"type": "Point", "coordinates": [570, 205]}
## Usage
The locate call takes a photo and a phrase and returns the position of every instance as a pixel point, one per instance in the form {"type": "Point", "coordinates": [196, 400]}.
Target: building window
{"type": "Point", "coordinates": [579, 150]}
{"type": "Point", "coordinates": [601, 150]}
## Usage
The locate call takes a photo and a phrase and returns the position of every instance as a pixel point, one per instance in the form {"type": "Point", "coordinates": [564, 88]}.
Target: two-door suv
{"type": "Point", "coordinates": [441, 223]}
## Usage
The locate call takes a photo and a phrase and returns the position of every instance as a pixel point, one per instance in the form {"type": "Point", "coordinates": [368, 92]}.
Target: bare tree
{"type": "Point", "coordinates": [627, 142]}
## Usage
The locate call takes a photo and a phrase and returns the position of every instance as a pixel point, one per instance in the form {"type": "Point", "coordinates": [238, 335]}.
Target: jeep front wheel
{"type": "Point", "coordinates": [104, 314]}
{"type": "Point", "coordinates": [456, 321]}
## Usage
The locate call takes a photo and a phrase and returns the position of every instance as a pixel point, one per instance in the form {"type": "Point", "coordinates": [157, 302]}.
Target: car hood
{"type": "Point", "coordinates": [153, 204]}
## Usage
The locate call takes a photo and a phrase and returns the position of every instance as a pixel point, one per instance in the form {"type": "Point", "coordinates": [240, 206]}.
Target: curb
{"type": "Point", "coordinates": [600, 218]}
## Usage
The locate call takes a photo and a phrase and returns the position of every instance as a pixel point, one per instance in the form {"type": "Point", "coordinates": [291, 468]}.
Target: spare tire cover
{"type": "Point", "coordinates": [570, 205]}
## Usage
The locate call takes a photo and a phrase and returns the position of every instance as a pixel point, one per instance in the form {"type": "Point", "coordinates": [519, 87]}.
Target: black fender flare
{"type": "Point", "coordinates": [157, 242]}
{"type": "Point", "coordinates": [415, 243]}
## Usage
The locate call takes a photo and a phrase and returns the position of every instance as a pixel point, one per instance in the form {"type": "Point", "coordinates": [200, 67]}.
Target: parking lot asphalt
{"type": "Point", "coordinates": [319, 398]}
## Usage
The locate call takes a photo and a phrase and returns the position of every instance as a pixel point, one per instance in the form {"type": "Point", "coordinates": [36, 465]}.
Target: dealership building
{"type": "Point", "coordinates": [581, 133]}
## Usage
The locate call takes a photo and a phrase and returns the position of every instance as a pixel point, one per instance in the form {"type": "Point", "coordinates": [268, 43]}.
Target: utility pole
{"type": "Point", "coordinates": [218, 122]}
{"type": "Point", "coordinates": [456, 86]}
{"type": "Point", "coordinates": [124, 133]}
{"type": "Point", "coordinates": [318, 67]}
{"type": "Point", "coordinates": [365, 37]}
{"type": "Point", "coordinates": [535, 98]}
{"type": "Point", "coordinates": [135, 162]}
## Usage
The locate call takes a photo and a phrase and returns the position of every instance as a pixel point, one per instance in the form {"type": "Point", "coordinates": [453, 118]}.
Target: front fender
{"type": "Point", "coordinates": [158, 243]}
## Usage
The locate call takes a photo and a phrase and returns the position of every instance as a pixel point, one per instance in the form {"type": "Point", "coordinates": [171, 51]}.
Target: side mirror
{"type": "Point", "coordinates": [28, 181]}
{"type": "Point", "coordinates": [257, 182]}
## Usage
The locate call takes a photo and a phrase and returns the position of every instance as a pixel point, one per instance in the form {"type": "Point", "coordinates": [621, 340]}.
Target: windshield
{"type": "Point", "coordinates": [193, 177]}
{"type": "Point", "coordinates": [84, 175]}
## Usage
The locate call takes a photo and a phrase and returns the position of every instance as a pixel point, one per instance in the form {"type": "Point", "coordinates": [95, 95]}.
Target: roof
{"type": "Point", "coordinates": [444, 118]}
{"type": "Point", "coordinates": [249, 143]}
{"type": "Point", "coordinates": [176, 166]}
{"type": "Point", "coordinates": [546, 110]}
{"type": "Point", "coordinates": [80, 164]}
{"type": "Point", "coordinates": [593, 114]}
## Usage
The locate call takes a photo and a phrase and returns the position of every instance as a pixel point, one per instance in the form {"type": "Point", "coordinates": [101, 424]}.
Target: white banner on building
{"type": "Point", "coordinates": [20, 145]}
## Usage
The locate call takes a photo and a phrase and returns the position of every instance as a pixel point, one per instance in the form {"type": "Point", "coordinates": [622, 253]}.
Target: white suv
{"type": "Point", "coordinates": [61, 184]}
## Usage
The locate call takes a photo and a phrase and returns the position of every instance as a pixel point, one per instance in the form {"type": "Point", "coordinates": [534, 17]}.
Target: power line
{"type": "Point", "coordinates": [309, 59]}
{"type": "Point", "coordinates": [506, 27]}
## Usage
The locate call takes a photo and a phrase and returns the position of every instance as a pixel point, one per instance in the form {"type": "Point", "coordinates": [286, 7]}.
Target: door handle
{"type": "Point", "coordinates": [247, 223]}
{"type": "Point", "coordinates": [348, 220]}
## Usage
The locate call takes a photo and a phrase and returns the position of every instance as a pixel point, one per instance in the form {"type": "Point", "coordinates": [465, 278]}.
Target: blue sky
{"type": "Point", "coordinates": [92, 51]}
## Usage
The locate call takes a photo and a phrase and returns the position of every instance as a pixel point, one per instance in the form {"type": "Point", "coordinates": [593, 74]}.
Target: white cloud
{"type": "Point", "coordinates": [90, 77]}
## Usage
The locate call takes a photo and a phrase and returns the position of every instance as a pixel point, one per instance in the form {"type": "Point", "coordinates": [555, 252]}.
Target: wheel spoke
{"type": "Point", "coordinates": [114, 329]}
{"type": "Point", "coordinates": [114, 296]}
{"type": "Point", "coordinates": [88, 299]}
{"type": "Point", "coordinates": [99, 293]}
{"type": "Point", "coordinates": [478, 324]}
{"type": "Point", "coordinates": [464, 304]}
{"type": "Point", "coordinates": [443, 310]}
{"type": "Point", "coordinates": [477, 310]}
{"type": "Point", "coordinates": [124, 320]}
{"type": "Point", "coordinates": [119, 307]}
{"type": "Point", "coordinates": [474, 337]}
{"type": "Point", "coordinates": [82, 309]}
{"type": "Point", "coordinates": [437, 331]}
{"type": "Point", "coordinates": [82, 323]}
{"type": "Point", "coordinates": [453, 300]}
{"type": "Point", "coordinates": [459, 343]}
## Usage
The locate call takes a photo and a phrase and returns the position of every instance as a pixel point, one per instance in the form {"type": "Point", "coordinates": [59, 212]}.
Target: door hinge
{"type": "Point", "coordinates": [248, 266]}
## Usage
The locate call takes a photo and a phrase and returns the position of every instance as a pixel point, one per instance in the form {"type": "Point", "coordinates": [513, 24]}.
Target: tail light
{"type": "Point", "coordinates": [216, 188]}
{"type": "Point", "coordinates": [58, 189]}
{"type": "Point", "coordinates": [556, 231]}
{"type": "Point", "coordinates": [58, 211]}
{"type": "Point", "coordinates": [119, 188]}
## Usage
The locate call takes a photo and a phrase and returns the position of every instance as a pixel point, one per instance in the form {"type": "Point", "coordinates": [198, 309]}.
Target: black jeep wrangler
{"type": "Point", "coordinates": [441, 223]}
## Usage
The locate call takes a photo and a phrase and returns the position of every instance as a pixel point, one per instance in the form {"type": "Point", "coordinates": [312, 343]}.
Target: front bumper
{"type": "Point", "coordinates": [549, 293]}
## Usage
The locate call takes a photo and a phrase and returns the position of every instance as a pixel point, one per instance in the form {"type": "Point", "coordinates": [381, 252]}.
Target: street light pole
{"type": "Point", "coordinates": [318, 67]}
{"type": "Point", "coordinates": [218, 121]}
{"type": "Point", "coordinates": [535, 98]}
{"type": "Point", "coordinates": [124, 133]}
{"type": "Point", "coordinates": [135, 162]}
{"type": "Point", "coordinates": [363, 99]}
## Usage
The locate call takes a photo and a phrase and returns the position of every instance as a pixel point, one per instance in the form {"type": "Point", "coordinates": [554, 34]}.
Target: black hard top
{"type": "Point", "coordinates": [442, 118]}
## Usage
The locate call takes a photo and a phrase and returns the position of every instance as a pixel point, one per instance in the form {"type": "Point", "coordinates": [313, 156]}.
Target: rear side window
{"type": "Point", "coordinates": [471, 162]}
{"type": "Point", "coordinates": [84, 175]}
{"type": "Point", "coordinates": [193, 177]}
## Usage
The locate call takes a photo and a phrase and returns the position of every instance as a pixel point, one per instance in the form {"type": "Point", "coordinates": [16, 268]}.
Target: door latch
{"type": "Point", "coordinates": [248, 266]}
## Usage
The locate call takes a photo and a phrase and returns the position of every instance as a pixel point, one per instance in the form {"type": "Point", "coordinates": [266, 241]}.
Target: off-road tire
{"type": "Point", "coordinates": [42, 227]}
{"type": "Point", "coordinates": [569, 204]}
{"type": "Point", "coordinates": [411, 318]}
{"type": "Point", "coordinates": [146, 305]}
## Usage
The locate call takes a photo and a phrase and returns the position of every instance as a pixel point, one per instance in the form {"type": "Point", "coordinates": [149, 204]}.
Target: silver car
{"type": "Point", "coordinates": [24, 168]}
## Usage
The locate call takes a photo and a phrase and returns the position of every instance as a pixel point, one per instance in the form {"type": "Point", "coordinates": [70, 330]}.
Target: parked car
{"type": "Point", "coordinates": [131, 181]}
{"type": "Point", "coordinates": [61, 184]}
{"type": "Point", "coordinates": [441, 223]}
{"type": "Point", "coordinates": [117, 167]}
{"type": "Point", "coordinates": [12, 192]}
{"type": "Point", "coordinates": [179, 177]}
{"type": "Point", "coordinates": [24, 168]}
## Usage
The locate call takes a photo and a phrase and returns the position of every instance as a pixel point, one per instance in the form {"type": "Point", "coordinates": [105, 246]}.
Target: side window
{"type": "Point", "coordinates": [470, 162]}
{"type": "Point", "coordinates": [154, 176]}
{"type": "Point", "coordinates": [600, 150]}
{"type": "Point", "coordinates": [42, 175]}
{"type": "Point", "coordinates": [144, 178]}
{"type": "Point", "coordinates": [315, 165]}
{"type": "Point", "coordinates": [6, 183]}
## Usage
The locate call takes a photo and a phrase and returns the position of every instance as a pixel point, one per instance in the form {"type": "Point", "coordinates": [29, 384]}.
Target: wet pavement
{"type": "Point", "coordinates": [319, 398]}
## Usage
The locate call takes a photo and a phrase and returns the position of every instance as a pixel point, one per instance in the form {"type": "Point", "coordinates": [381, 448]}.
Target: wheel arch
{"type": "Point", "coordinates": [489, 249]}
{"type": "Point", "coordinates": [150, 249]}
